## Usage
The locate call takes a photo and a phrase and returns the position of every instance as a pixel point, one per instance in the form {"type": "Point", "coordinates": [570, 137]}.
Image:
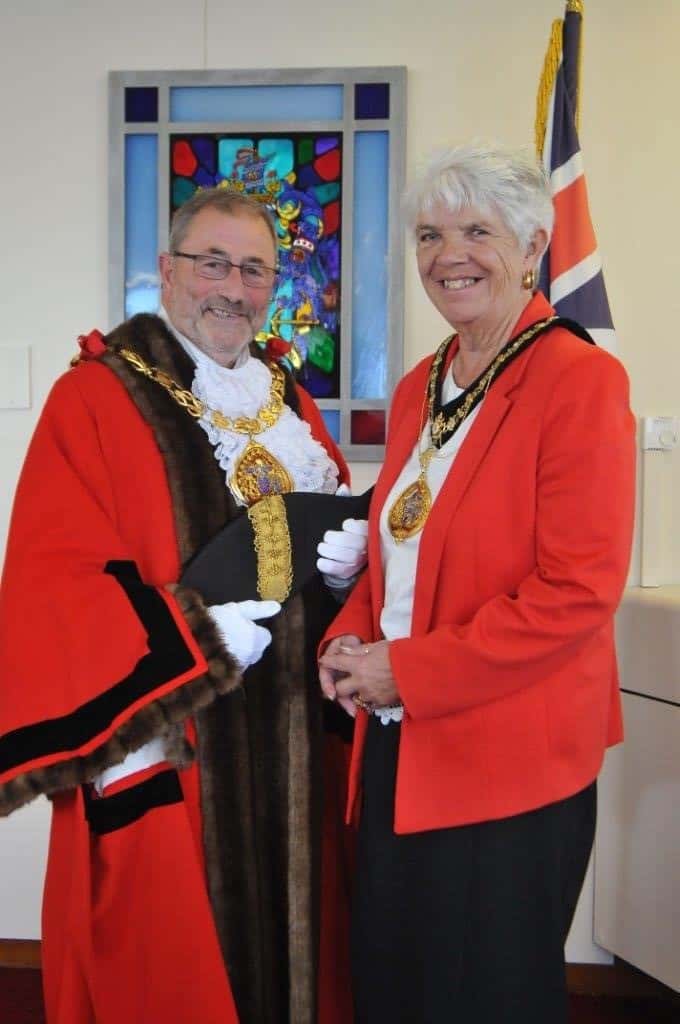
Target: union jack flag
{"type": "Point", "coordinates": [571, 272]}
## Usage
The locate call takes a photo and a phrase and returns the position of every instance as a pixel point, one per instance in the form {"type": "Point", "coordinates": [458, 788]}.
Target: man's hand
{"type": "Point", "coordinates": [343, 553]}
{"type": "Point", "coordinates": [236, 624]}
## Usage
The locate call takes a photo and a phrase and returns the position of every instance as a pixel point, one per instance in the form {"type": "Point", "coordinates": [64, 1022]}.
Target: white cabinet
{"type": "Point", "coordinates": [637, 863]}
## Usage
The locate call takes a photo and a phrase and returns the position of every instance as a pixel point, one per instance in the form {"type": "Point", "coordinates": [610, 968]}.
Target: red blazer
{"type": "Point", "coordinates": [509, 677]}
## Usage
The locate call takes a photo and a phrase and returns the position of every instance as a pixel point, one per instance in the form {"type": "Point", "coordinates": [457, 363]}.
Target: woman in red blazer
{"type": "Point", "coordinates": [479, 645]}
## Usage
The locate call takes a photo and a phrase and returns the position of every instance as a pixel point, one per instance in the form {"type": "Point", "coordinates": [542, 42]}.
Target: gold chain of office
{"type": "Point", "coordinates": [440, 425]}
{"type": "Point", "coordinates": [266, 417]}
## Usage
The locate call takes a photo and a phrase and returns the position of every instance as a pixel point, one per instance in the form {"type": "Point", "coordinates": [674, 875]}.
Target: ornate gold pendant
{"type": "Point", "coordinates": [257, 474]}
{"type": "Point", "coordinates": [410, 510]}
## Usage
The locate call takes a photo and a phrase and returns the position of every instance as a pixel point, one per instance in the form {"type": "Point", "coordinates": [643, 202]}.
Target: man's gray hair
{"type": "Point", "coordinates": [224, 200]}
{"type": "Point", "coordinates": [489, 176]}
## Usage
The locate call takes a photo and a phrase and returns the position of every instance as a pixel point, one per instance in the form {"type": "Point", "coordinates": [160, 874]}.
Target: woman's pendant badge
{"type": "Point", "coordinates": [409, 512]}
{"type": "Point", "coordinates": [257, 474]}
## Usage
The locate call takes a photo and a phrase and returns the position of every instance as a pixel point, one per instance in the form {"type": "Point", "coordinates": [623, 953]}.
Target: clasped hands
{"type": "Point", "coordinates": [348, 669]}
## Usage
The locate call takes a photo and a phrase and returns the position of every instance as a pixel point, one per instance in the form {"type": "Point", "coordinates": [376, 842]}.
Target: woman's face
{"type": "Point", "coordinates": [471, 264]}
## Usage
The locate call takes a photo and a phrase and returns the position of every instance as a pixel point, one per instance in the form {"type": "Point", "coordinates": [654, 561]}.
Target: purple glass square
{"type": "Point", "coordinates": [141, 103]}
{"type": "Point", "coordinates": [371, 101]}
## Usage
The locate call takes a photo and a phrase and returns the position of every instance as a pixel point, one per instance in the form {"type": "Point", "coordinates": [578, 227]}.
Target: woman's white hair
{"type": "Point", "coordinates": [489, 176]}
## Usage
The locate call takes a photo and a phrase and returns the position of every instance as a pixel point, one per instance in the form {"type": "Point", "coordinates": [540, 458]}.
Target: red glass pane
{"type": "Point", "coordinates": [328, 165]}
{"type": "Point", "coordinates": [183, 160]}
{"type": "Point", "coordinates": [368, 426]}
{"type": "Point", "coordinates": [331, 218]}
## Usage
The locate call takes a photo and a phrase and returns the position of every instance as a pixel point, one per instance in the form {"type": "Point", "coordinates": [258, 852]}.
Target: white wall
{"type": "Point", "coordinates": [473, 69]}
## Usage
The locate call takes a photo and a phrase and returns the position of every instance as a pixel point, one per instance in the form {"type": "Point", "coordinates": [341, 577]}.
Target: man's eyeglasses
{"type": "Point", "coordinates": [216, 268]}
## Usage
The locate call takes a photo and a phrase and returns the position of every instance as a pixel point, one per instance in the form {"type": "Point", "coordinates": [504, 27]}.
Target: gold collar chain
{"type": "Point", "coordinates": [266, 417]}
{"type": "Point", "coordinates": [410, 510]}
{"type": "Point", "coordinates": [439, 424]}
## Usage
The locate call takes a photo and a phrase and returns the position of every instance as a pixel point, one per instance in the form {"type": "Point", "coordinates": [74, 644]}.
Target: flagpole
{"type": "Point", "coordinates": [571, 270]}
{"type": "Point", "coordinates": [578, 7]}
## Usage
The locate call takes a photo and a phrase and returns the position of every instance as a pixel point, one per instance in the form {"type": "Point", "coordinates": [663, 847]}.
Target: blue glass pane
{"type": "Point", "coordinates": [332, 421]}
{"type": "Point", "coordinates": [141, 103]}
{"type": "Point", "coordinates": [256, 103]}
{"type": "Point", "coordinates": [372, 100]}
{"type": "Point", "coordinates": [279, 155]}
{"type": "Point", "coordinates": [369, 264]}
{"type": "Point", "coordinates": [323, 145]}
{"type": "Point", "coordinates": [142, 289]}
{"type": "Point", "coordinates": [205, 151]}
{"type": "Point", "coordinates": [227, 152]}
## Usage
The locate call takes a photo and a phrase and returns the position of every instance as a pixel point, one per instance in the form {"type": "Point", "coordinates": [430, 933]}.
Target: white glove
{"type": "Point", "coordinates": [151, 753]}
{"type": "Point", "coordinates": [344, 553]}
{"type": "Point", "coordinates": [343, 491]}
{"type": "Point", "coordinates": [236, 625]}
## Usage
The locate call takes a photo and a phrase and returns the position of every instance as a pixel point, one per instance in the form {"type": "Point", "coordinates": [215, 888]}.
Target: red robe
{"type": "Point", "coordinates": [178, 869]}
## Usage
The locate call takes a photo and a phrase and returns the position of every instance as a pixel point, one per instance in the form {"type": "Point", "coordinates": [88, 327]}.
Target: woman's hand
{"type": "Point", "coordinates": [361, 669]}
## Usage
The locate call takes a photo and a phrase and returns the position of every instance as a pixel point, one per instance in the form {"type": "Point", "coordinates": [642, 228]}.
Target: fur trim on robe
{"type": "Point", "coordinates": [259, 749]}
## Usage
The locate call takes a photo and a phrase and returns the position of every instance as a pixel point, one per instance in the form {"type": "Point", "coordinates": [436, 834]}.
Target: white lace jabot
{"type": "Point", "coordinates": [242, 390]}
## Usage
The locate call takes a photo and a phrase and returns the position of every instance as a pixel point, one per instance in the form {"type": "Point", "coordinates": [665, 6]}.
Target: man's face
{"type": "Point", "coordinates": [219, 317]}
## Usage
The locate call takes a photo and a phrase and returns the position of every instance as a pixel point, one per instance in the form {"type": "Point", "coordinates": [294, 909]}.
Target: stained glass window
{"type": "Point", "coordinates": [298, 174]}
{"type": "Point", "coordinates": [303, 142]}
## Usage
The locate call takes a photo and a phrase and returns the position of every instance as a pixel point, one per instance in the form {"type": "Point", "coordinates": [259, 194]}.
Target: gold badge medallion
{"type": "Point", "coordinates": [409, 512]}
{"type": "Point", "coordinates": [257, 474]}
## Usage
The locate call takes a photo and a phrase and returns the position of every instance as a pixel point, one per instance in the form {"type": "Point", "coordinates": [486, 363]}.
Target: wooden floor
{"type": "Point", "coordinates": [21, 1003]}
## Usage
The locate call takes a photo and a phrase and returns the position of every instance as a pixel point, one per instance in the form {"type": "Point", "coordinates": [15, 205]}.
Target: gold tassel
{"type": "Point", "coordinates": [577, 6]}
{"type": "Point", "coordinates": [545, 86]}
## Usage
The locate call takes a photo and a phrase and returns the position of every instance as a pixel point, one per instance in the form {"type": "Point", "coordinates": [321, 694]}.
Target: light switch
{"type": "Point", "coordinates": [15, 377]}
{"type": "Point", "coordinates": [660, 433]}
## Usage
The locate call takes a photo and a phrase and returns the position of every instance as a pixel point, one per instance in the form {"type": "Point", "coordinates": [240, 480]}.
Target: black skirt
{"type": "Point", "coordinates": [463, 924]}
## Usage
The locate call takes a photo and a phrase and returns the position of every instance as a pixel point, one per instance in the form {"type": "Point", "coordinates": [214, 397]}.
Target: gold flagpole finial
{"type": "Point", "coordinates": [574, 6]}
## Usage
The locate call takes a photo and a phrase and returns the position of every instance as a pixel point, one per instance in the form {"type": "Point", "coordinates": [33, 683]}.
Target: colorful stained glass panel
{"type": "Point", "coordinates": [299, 177]}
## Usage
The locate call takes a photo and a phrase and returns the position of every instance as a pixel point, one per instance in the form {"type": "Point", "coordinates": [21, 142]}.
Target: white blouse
{"type": "Point", "coordinates": [400, 560]}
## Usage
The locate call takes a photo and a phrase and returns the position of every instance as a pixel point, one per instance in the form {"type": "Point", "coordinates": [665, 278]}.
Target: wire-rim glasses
{"type": "Point", "coordinates": [216, 268]}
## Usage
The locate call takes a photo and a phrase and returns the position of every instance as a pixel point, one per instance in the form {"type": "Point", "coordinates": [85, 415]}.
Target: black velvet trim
{"type": "Point", "coordinates": [110, 813]}
{"type": "Point", "coordinates": [574, 327]}
{"type": "Point", "coordinates": [168, 658]}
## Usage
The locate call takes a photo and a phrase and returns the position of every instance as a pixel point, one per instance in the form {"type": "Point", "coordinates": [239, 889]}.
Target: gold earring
{"type": "Point", "coordinates": [529, 279]}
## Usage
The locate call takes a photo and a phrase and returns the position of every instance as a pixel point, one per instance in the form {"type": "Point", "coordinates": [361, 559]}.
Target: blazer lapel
{"type": "Point", "coordinates": [474, 449]}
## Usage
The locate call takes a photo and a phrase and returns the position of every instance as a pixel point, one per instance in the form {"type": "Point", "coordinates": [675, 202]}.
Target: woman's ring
{"type": "Point", "coordinates": [365, 705]}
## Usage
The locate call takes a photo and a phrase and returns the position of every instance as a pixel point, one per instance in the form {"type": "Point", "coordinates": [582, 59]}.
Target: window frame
{"type": "Point", "coordinates": [395, 126]}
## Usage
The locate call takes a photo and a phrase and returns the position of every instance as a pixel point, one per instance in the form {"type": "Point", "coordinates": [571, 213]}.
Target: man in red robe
{"type": "Point", "coordinates": [197, 867]}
